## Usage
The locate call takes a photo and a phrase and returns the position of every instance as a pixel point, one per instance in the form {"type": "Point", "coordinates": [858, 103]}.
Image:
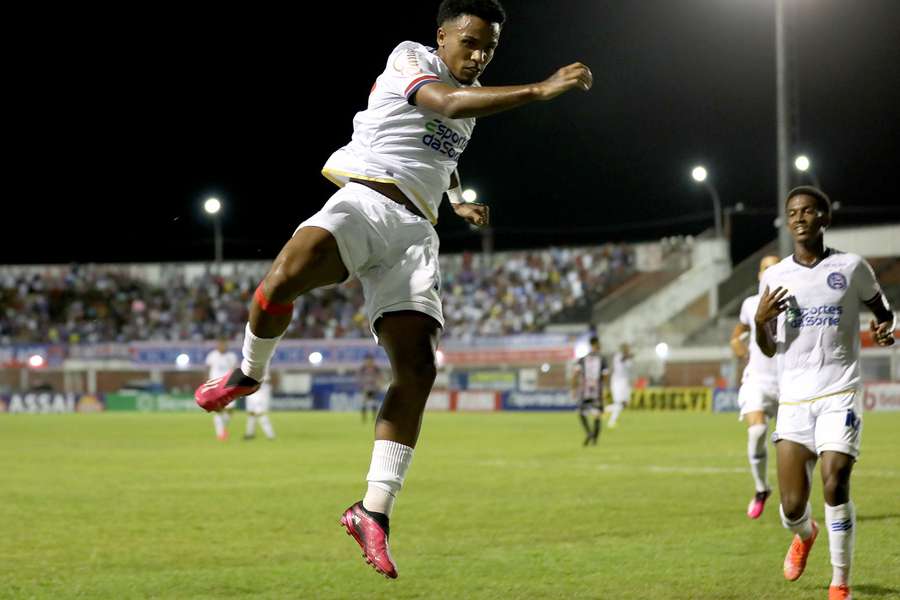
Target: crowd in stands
{"type": "Point", "coordinates": [505, 293]}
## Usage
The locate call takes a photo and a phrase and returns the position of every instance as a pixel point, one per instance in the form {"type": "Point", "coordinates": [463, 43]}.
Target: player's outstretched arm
{"type": "Point", "coordinates": [463, 103]}
{"type": "Point", "coordinates": [477, 214]}
{"type": "Point", "coordinates": [771, 304]}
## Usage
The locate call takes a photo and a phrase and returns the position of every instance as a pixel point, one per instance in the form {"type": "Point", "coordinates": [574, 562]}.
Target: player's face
{"type": "Point", "coordinates": [466, 44]}
{"type": "Point", "coordinates": [805, 219]}
{"type": "Point", "coordinates": [221, 346]}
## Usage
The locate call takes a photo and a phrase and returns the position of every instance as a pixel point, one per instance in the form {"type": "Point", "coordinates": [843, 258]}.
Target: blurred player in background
{"type": "Point", "coordinates": [808, 317]}
{"type": "Point", "coordinates": [258, 410]}
{"type": "Point", "coordinates": [588, 379]}
{"type": "Point", "coordinates": [221, 362]}
{"type": "Point", "coordinates": [758, 396]}
{"type": "Point", "coordinates": [620, 382]}
{"type": "Point", "coordinates": [369, 380]}
{"type": "Point", "coordinates": [379, 227]}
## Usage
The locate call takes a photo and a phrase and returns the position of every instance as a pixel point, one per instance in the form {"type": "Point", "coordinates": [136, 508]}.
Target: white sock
{"type": "Point", "coordinates": [390, 461]}
{"type": "Point", "coordinates": [226, 418]}
{"type": "Point", "coordinates": [616, 409]}
{"type": "Point", "coordinates": [219, 424]}
{"type": "Point", "coordinates": [257, 354]}
{"type": "Point", "coordinates": [802, 526]}
{"type": "Point", "coordinates": [841, 523]}
{"type": "Point", "coordinates": [250, 431]}
{"type": "Point", "coordinates": [757, 454]}
{"type": "Point", "coordinates": [267, 426]}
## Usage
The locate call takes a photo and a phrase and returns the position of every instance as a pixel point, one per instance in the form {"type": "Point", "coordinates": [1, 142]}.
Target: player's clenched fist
{"type": "Point", "coordinates": [574, 76]}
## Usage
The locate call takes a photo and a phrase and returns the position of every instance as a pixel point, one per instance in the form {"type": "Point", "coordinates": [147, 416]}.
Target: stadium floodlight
{"type": "Point", "coordinates": [36, 361]}
{"type": "Point", "coordinates": [699, 174]}
{"type": "Point", "coordinates": [801, 163]}
{"type": "Point", "coordinates": [212, 205]}
{"type": "Point", "coordinates": [470, 195]}
{"type": "Point", "coordinates": [315, 358]}
{"type": "Point", "coordinates": [545, 368]}
{"type": "Point", "coordinates": [662, 350]}
{"type": "Point", "coordinates": [182, 361]}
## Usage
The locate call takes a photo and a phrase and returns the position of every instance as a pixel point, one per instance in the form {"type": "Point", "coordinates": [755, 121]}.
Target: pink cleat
{"type": "Point", "coordinates": [755, 510]}
{"type": "Point", "coordinates": [795, 561]}
{"type": "Point", "coordinates": [839, 592]}
{"type": "Point", "coordinates": [216, 394]}
{"type": "Point", "coordinates": [372, 537]}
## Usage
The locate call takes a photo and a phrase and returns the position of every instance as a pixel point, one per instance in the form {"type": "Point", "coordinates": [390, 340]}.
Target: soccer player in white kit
{"type": "Point", "coordinates": [221, 362]}
{"type": "Point", "coordinates": [808, 318]}
{"type": "Point", "coordinates": [758, 396]}
{"type": "Point", "coordinates": [379, 227]}
{"type": "Point", "coordinates": [258, 404]}
{"type": "Point", "coordinates": [620, 382]}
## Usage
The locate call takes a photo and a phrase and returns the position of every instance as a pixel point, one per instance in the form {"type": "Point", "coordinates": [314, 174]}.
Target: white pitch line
{"type": "Point", "coordinates": [664, 468]}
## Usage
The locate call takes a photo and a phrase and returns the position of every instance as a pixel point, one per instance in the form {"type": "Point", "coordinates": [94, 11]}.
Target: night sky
{"type": "Point", "coordinates": [120, 130]}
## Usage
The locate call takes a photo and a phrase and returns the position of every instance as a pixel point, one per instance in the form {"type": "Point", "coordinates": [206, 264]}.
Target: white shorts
{"type": "Point", "coordinates": [259, 401]}
{"type": "Point", "coordinates": [393, 252]}
{"type": "Point", "coordinates": [830, 423]}
{"type": "Point", "coordinates": [621, 391]}
{"type": "Point", "coordinates": [753, 397]}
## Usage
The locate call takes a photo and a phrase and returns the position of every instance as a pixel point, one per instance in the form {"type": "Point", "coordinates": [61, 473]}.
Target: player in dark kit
{"type": "Point", "coordinates": [590, 376]}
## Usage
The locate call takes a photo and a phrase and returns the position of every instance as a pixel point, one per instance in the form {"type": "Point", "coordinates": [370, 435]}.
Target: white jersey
{"type": "Point", "coordinates": [220, 363]}
{"type": "Point", "coordinates": [817, 337]}
{"type": "Point", "coordinates": [395, 141]}
{"type": "Point", "coordinates": [621, 369]}
{"type": "Point", "coordinates": [760, 368]}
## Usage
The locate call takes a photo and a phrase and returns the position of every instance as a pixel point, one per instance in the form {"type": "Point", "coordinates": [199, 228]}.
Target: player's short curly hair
{"type": "Point", "coordinates": [822, 199]}
{"type": "Point", "coordinates": [489, 10]}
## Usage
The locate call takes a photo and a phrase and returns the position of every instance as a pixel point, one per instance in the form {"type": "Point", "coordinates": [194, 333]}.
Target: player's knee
{"type": "Point", "coordinates": [420, 373]}
{"type": "Point", "coordinates": [793, 505]}
{"type": "Point", "coordinates": [836, 489]}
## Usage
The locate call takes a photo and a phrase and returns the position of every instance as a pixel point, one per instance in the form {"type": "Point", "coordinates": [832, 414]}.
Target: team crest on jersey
{"type": "Point", "coordinates": [837, 281]}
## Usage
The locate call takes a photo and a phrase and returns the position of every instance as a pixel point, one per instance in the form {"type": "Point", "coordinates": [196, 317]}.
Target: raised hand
{"type": "Point", "coordinates": [571, 77]}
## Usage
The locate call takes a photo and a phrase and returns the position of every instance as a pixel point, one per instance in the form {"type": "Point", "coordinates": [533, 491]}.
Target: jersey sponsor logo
{"type": "Point", "coordinates": [837, 281]}
{"type": "Point", "coordinates": [826, 315]}
{"type": "Point", "coordinates": [442, 138]}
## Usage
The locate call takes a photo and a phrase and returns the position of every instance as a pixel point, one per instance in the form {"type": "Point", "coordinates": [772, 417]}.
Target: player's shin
{"type": "Point", "coordinates": [801, 526]}
{"type": "Point", "coordinates": [841, 522]}
{"type": "Point", "coordinates": [757, 454]}
{"type": "Point", "coordinates": [390, 462]}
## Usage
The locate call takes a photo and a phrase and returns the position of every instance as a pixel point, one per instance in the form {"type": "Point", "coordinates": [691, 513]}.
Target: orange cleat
{"type": "Point", "coordinates": [795, 561]}
{"type": "Point", "coordinates": [839, 592]}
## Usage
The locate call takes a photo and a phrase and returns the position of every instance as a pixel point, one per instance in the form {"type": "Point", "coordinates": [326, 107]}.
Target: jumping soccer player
{"type": "Point", "coordinates": [758, 396]}
{"type": "Point", "coordinates": [221, 362]}
{"type": "Point", "coordinates": [369, 385]}
{"type": "Point", "coordinates": [379, 227]}
{"type": "Point", "coordinates": [588, 380]}
{"type": "Point", "coordinates": [620, 382]}
{"type": "Point", "coordinates": [808, 317]}
{"type": "Point", "coordinates": [258, 410]}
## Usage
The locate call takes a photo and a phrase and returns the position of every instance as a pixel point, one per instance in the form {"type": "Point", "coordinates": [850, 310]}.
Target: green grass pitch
{"type": "Point", "coordinates": [499, 506]}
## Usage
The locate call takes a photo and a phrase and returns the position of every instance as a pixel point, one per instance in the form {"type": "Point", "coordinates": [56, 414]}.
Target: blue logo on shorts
{"type": "Point", "coordinates": [852, 420]}
{"type": "Point", "coordinates": [837, 281]}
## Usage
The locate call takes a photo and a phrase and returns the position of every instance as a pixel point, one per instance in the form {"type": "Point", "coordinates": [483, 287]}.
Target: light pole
{"type": "Point", "coordinates": [700, 175]}
{"type": "Point", "coordinates": [487, 234]}
{"type": "Point", "coordinates": [802, 164]}
{"type": "Point", "coordinates": [783, 126]}
{"type": "Point", "coordinates": [212, 206]}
